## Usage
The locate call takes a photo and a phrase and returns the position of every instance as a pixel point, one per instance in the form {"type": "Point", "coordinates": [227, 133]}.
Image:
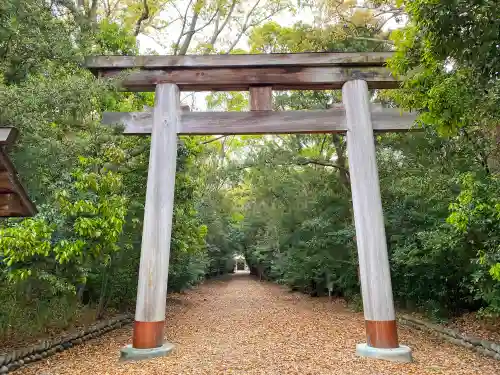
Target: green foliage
{"type": "Point", "coordinates": [32, 39]}
{"type": "Point", "coordinates": [96, 216]}
{"type": "Point", "coordinates": [465, 31]}
{"type": "Point", "coordinates": [23, 244]}
{"type": "Point", "coordinates": [293, 191]}
{"type": "Point", "coordinates": [296, 227]}
{"type": "Point", "coordinates": [84, 233]}
{"type": "Point", "coordinates": [88, 183]}
{"type": "Point", "coordinates": [475, 216]}
{"type": "Point", "coordinates": [188, 259]}
{"type": "Point", "coordinates": [448, 57]}
{"type": "Point", "coordinates": [22, 317]}
{"type": "Point", "coordinates": [111, 38]}
{"type": "Point", "coordinates": [284, 201]}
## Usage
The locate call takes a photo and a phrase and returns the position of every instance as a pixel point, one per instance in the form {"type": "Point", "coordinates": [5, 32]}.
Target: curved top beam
{"type": "Point", "coordinates": [307, 59]}
{"type": "Point", "coordinates": [293, 71]}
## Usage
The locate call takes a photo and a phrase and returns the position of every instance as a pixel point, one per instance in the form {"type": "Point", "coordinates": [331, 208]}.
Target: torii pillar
{"type": "Point", "coordinates": [148, 335]}
{"type": "Point", "coordinates": [378, 306]}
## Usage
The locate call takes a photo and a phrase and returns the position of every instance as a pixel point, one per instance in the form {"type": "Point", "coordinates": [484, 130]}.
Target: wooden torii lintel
{"type": "Point", "coordinates": [301, 59]}
{"type": "Point", "coordinates": [262, 122]}
{"type": "Point", "coordinates": [296, 71]}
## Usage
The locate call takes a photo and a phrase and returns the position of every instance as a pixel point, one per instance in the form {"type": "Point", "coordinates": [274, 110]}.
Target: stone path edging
{"type": "Point", "coordinates": [20, 357]}
{"type": "Point", "coordinates": [485, 347]}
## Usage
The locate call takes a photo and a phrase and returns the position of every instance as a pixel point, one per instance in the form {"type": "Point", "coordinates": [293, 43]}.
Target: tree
{"type": "Point", "coordinates": [83, 247]}
{"type": "Point", "coordinates": [293, 191]}
{"type": "Point", "coordinates": [447, 56]}
{"type": "Point", "coordinates": [286, 243]}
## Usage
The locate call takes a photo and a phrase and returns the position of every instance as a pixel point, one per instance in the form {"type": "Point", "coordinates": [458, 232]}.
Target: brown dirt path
{"type": "Point", "coordinates": [246, 327]}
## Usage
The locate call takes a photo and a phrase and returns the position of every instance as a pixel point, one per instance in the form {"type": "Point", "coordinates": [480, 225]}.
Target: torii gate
{"type": "Point", "coordinates": [354, 73]}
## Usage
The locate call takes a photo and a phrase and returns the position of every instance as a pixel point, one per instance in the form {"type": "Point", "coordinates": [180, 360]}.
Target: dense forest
{"type": "Point", "coordinates": [282, 201]}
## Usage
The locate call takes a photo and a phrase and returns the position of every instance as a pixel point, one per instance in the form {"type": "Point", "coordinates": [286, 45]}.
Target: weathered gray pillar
{"type": "Point", "coordinates": [378, 305]}
{"type": "Point", "coordinates": [148, 336]}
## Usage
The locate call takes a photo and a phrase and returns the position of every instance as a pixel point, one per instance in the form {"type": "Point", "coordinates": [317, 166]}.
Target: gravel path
{"type": "Point", "coordinates": [243, 326]}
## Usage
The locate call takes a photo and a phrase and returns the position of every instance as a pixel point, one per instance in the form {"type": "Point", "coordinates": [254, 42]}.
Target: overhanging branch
{"type": "Point", "coordinates": [144, 16]}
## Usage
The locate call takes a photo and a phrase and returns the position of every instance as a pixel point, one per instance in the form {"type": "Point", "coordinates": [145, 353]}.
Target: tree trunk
{"type": "Point", "coordinates": [103, 296]}
{"type": "Point", "coordinates": [341, 160]}
{"type": "Point", "coordinates": [493, 159]}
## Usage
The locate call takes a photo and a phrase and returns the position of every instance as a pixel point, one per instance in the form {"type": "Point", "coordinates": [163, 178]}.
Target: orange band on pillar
{"type": "Point", "coordinates": [148, 335]}
{"type": "Point", "coordinates": [382, 334]}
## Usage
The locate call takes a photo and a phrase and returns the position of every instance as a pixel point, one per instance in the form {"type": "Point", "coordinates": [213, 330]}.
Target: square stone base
{"type": "Point", "coordinates": [128, 353]}
{"type": "Point", "coordinates": [401, 354]}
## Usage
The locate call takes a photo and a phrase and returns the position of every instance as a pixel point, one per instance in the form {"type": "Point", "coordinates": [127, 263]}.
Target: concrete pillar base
{"type": "Point", "coordinates": [129, 353]}
{"type": "Point", "coordinates": [401, 354]}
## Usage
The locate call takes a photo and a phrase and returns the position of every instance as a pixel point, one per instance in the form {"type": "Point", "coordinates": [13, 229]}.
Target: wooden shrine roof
{"type": "Point", "coordinates": [14, 201]}
{"type": "Point", "coordinates": [292, 71]}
